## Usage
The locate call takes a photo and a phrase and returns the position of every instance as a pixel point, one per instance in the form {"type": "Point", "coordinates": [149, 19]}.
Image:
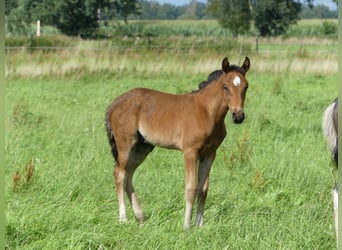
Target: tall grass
{"type": "Point", "coordinates": [273, 55]}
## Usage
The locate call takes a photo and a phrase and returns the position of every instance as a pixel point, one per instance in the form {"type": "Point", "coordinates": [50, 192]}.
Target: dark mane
{"type": "Point", "coordinates": [217, 73]}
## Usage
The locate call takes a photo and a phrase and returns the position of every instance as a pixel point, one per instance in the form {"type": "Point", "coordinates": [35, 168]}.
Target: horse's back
{"type": "Point", "coordinates": [122, 114]}
{"type": "Point", "coordinates": [156, 115]}
{"type": "Point", "coordinates": [132, 101]}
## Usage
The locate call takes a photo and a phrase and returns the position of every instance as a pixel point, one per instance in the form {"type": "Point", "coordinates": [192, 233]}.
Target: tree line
{"type": "Point", "coordinates": [83, 17]}
{"type": "Point", "coordinates": [270, 17]}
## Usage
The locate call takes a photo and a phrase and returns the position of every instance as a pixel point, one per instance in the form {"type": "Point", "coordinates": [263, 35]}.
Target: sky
{"type": "Point", "coordinates": [328, 3]}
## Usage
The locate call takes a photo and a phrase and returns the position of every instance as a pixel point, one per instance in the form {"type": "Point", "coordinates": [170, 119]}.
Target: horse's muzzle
{"type": "Point", "coordinates": [238, 117]}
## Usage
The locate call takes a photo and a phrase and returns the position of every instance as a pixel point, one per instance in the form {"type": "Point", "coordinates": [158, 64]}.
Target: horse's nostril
{"type": "Point", "coordinates": [238, 118]}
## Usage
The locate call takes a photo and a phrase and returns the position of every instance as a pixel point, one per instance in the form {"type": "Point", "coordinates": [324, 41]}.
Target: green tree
{"type": "Point", "coordinates": [71, 17]}
{"type": "Point", "coordinates": [76, 17]}
{"type": "Point", "coordinates": [274, 17]}
{"type": "Point", "coordinates": [81, 17]}
{"type": "Point", "coordinates": [194, 10]}
{"type": "Point", "coordinates": [119, 9]}
{"type": "Point", "coordinates": [232, 14]}
{"type": "Point", "coordinates": [151, 9]}
{"type": "Point", "coordinates": [10, 5]}
{"type": "Point", "coordinates": [317, 11]}
{"type": "Point", "coordinates": [19, 15]}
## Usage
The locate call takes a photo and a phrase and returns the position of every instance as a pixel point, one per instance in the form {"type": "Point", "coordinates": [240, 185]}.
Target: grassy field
{"type": "Point", "coordinates": [178, 56]}
{"type": "Point", "coordinates": [270, 184]}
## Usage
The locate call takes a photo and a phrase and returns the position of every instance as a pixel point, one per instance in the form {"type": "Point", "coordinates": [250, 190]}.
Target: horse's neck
{"type": "Point", "coordinates": [212, 100]}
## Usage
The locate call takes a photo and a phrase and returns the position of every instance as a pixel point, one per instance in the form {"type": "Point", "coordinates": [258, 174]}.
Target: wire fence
{"type": "Point", "coordinates": [274, 55]}
{"type": "Point", "coordinates": [257, 45]}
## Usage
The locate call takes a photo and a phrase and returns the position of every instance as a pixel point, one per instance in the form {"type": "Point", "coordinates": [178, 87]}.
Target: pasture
{"type": "Point", "coordinates": [270, 186]}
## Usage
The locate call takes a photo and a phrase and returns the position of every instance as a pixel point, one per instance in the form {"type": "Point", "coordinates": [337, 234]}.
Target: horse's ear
{"type": "Point", "coordinates": [225, 65]}
{"type": "Point", "coordinates": [246, 64]}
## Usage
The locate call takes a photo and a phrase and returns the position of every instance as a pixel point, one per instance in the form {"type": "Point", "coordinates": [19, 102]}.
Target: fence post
{"type": "Point", "coordinates": [240, 53]}
{"type": "Point", "coordinates": [38, 28]}
{"type": "Point", "coordinates": [31, 41]}
{"type": "Point", "coordinates": [257, 44]}
{"type": "Point", "coordinates": [9, 61]}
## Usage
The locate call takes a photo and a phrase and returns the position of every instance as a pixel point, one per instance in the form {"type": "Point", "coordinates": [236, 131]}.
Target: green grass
{"type": "Point", "coordinates": [269, 187]}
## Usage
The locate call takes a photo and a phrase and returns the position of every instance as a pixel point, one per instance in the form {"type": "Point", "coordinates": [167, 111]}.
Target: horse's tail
{"type": "Point", "coordinates": [329, 130]}
{"type": "Point", "coordinates": [110, 134]}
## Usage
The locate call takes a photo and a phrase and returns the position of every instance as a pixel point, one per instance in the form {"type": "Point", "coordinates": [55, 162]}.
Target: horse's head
{"type": "Point", "coordinates": [235, 87]}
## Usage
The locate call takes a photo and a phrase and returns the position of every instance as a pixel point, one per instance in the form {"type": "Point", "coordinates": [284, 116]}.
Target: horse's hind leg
{"type": "Point", "coordinates": [120, 183]}
{"type": "Point", "coordinates": [137, 156]}
{"type": "Point", "coordinates": [124, 147]}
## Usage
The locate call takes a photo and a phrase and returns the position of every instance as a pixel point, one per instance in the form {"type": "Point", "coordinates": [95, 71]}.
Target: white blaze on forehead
{"type": "Point", "coordinates": [237, 81]}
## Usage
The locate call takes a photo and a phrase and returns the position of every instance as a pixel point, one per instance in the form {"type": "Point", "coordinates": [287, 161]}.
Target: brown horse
{"type": "Point", "coordinates": [141, 119]}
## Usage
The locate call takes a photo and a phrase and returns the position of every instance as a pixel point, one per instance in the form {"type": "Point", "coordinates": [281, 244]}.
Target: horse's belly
{"type": "Point", "coordinates": [160, 137]}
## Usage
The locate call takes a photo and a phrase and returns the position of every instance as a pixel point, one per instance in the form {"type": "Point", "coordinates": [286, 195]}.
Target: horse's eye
{"type": "Point", "coordinates": [226, 88]}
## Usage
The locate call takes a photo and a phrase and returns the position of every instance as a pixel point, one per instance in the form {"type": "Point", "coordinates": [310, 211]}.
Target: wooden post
{"type": "Point", "coordinates": [38, 28]}
{"type": "Point", "coordinates": [301, 47]}
{"type": "Point", "coordinates": [8, 61]}
{"type": "Point", "coordinates": [257, 44]}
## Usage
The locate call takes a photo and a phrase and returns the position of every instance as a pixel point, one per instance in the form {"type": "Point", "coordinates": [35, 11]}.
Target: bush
{"type": "Point", "coordinates": [329, 28]}
{"type": "Point", "coordinates": [43, 41]}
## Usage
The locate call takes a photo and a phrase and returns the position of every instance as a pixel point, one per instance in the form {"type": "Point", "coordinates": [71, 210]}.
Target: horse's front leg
{"type": "Point", "coordinates": [203, 185]}
{"type": "Point", "coordinates": [190, 169]}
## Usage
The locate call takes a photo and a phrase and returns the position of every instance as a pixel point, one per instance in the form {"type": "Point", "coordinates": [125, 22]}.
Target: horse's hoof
{"type": "Point", "coordinates": [123, 220]}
